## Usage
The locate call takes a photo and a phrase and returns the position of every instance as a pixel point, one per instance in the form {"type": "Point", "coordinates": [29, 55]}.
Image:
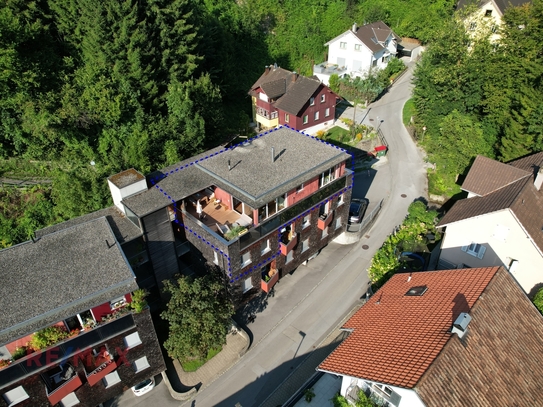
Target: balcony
{"type": "Point", "coordinates": [272, 276]}
{"type": "Point", "coordinates": [62, 351]}
{"type": "Point", "coordinates": [99, 366]}
{"type": "Point", "coordinates": [61, 381]}
{"type": "Point", "coordinates": [287, 244]}
{"type": "Point", "coordinates": [324, 220]}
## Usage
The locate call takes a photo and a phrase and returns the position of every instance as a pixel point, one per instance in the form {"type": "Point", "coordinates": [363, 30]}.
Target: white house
{"type": "Point", "coordinates": [501, 221]}
{"type": "Point", "coordinates": [358, 50]}
{"type": "Point", "coordinates": [448, 338]}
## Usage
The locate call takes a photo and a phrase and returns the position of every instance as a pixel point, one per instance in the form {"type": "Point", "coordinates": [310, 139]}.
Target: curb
{"type": "Point", "coordinates": [242, 332]}
{"type": "Point", "coordinates": [175, 394]}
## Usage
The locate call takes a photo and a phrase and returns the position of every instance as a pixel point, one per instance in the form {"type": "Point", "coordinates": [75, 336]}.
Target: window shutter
{"type": "Point", "coordinates": [465, 248]}
{"type": "Point", "coordinates": [482, 251]}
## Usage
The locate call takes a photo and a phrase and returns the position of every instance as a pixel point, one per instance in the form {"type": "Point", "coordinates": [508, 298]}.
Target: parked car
{"type": "Point", "coordinates": [357, 210]}
{"type": "Point", "coordinates": [144, 387]}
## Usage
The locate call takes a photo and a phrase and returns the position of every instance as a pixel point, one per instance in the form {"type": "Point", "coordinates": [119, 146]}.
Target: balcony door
{"type": "Point", "coordinates": [242, 208]}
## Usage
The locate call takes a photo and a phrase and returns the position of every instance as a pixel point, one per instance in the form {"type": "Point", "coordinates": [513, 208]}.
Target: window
{"type": "Point", "coordinates": [215, 258]}
{"type": "Point", "coordinates": [383, 59]}
{"type": "Point", "coordinates": [272, 207]}
{"type": "Point", "coordinates": [305, 245]}
{"type": "Point", "coordinates": [132, 340]}
{"type": "Point", "coordinates": [287, 117]}
{"type": "Point", "coordinates": [327, 177]}
{"type": "Point", "coordinates": [247, 284]}
{"type": "Point", "coordinates": [111, 379]}
{"type": "Point", "coordinates": [357, 47]}
{"type": "Point", "coordinates": [307, 221]}
{"type": "Point", "coordinates": [374, 63]}
{"type": "Point", "coordinates": [311, 101]}
{"type": "Point", "coordinates": [305, 119]}
{"type": "Point", "coordinates": [316, 115]}
{"type": "Point", "coordinates": [384, 389]}
{"type": "Point", "coordinates": [15, 396]}
{"type": "Point", "coordinates": [343, 45]}
{"type": "Point", "coordinates": [274, 115]}
{"type": "Point", "coordinates": [475, 249]}
{"type": "Point", "coordinates": [299, 188]}
{"type": "Point", "coordinates": [141, 364]}
{"type": "Point", "coordinates": [338, 222]}
{"type": "Point", "coordinates": [69, 401]}
{"type": "Point", "coordinates": [488, 13]}
{"type": "Point", "coordinates": [386, 43]}
{"type": "Point", "coordinates": [327, 112]}
{"type": "Point", "coordinates": [324, 232]}
{"type": "Point", "coordinates": [323, 98]}
{"type": "Point", "coordinates": [117, 302]}
{"type": "Point", "coordinates": [245, 259]}
{"type": "Point", "coordinates": [290, 256]}
{"type": "Point", "coordinates": [265, 247]}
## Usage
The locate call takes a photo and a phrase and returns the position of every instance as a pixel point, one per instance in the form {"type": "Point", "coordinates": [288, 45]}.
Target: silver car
{"type": "Point", "coordinates": [144, 387]}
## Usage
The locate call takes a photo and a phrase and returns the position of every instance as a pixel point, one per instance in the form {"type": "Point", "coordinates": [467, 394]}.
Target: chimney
{"type": "Point", "coordinates": [273, 154]}
{"type": "Point", "coordinates": [538, 179]}
{"type": "Point", "coordinates": [275, 66]}
{"type": "Point", "coordinates": [294, 76]}
{"type": "Point", "coordinates": [266, 69]}
{"type": "Point", "coordinates": [460, 326]}
{"type": "Point", "coordinates": [354, 28]}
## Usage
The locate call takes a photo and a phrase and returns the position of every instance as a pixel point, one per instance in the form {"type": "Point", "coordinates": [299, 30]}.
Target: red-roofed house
{"type": "Point", "coordinates": [281, 97]}
{"type": "Point", "coordinates": [501, 221]}
{"type": "Point", "coordinates": [467, 337]}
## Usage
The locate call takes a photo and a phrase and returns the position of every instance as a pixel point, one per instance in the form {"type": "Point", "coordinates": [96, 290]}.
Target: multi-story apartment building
{"type": "Point", "coordinates": [71, 287]}
{"type": "Point", "coordinates": [256, 210]}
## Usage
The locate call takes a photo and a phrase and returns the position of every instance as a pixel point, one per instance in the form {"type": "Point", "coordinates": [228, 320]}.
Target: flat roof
{"type": "Point", "coordinates": [59, 275]}
{"type": "Point", "coordinates": [125, 178]}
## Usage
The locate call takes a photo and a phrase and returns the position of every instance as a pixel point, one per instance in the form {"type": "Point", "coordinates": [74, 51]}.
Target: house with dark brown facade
{"type": "Point", "coordinates": [501, 221]}
{"type": "Point", "coordinates": [467, 337]}
{"type": "Point", "coordinates": [72, 287]}
{"type": "Point", "coordinates": [281, 97]}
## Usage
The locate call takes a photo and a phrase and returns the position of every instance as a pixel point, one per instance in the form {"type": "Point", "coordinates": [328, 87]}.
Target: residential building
{"type": "Point", "coordinates": [468, 337]}
{"type": "Point", "coordinates": [488, 15]}
{"type": "Point", "coordinates": [75, 280]}
{"type": "Point", "coordinates": [500, 223]}
{"type": "Point", "coordinates": [357, 51]}
{"type": "Point", "coordinates": [281, 97]}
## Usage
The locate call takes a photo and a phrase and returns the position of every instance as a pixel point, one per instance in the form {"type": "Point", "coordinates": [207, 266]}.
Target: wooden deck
{"type": "Point", "coordinates": [212, 214]}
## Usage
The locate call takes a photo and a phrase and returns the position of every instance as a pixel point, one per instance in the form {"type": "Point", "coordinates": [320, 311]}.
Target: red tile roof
{"type": "Point", "coordinates": [396, 337]}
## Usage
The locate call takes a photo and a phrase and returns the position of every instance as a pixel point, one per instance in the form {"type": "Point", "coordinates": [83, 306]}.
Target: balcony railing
{"type": "Point", "coordinates": [324, 220]}
{"type": "Point", "coordinates": [66, 388]}
{"type": "Point", "coordinates": [287, 247]}
{"type": "Point", "coordinates": [267, 286]}
{"type": "Point", "coordinates": [62, 351]}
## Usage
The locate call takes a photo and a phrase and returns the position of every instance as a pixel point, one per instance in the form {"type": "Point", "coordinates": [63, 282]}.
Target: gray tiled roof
{"type": "Point", "coordinates": [256, 179]}
{"type": "Point", "coordinates": [59, 275]}
{"type": "Point", "coordinates": [123, 229]}
{"type": "Point", "coordinates": [298, 94]}
{"type": "Point", "coordinates": [487, 175]}
{"type": "Point", "coordinates": [501, 4]}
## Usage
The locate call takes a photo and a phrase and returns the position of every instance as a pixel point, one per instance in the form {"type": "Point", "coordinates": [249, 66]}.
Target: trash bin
{"type": "Point", "coordinates": [380, 151]}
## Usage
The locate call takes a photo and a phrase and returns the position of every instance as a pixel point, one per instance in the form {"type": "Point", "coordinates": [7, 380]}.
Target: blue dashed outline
{"type": "Point", "coordinates": [154, 182]}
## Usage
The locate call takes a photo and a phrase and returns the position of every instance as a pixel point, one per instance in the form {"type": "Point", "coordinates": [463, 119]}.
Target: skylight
{"type": "Point", "coordinates": [416, 291]}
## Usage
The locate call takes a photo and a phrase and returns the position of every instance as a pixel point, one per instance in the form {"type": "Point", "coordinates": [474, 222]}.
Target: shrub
{"type": "Point", "coordinates": [4, 363]}
{"type": "Point", "coordinates": [19, 352]}
{"type": "Point", "coordinates": [47, 337]}
{"type": "Point", "coordinates": [139, 303]}
{"type": "Point", "coordinates": [321, 134]}
{"type": "Point", "coordinates": [309, 394]}
{"type": "Point", "coordinates": [538, 300]}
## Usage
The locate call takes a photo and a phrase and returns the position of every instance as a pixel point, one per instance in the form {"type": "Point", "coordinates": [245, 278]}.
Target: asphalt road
{"type": "Point", "coordinates": [312, 301]}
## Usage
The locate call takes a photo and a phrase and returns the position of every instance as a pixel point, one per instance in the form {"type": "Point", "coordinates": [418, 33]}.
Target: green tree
{"type": "Point", "coordinates": [198, 314]}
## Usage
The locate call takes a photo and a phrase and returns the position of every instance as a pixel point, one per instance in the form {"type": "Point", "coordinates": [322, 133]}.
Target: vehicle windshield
{"type": "Point", "coordinates": [354, 209]}
{"type": "Point", "coordinates": [142, 384]}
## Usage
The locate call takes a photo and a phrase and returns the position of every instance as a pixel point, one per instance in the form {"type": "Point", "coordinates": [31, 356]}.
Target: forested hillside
{"type": "Point", "coordinates": [478, 97]}
{"type": "Point", "coordinates": [145, 83]}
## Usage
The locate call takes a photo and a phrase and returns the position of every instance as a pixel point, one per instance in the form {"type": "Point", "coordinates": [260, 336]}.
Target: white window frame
{"type": "Point", "coordinates": [300, 188]}
{"type": "Point", "coordinates": [340, 200]}
{"type": "Point", "coordinates": [311, 101]}
{"type": "Point", "coordinates": [316, 115]}
{"type": "Point", "coordinates": [305, 245]}
{"type": "Point", "coordinates": [328, 176]}
{"type": "Point", "coordinates": [266, 248]}
{"type": "Point", "coordinates": [475, 250]}
{"type": "Point", "coordinates": [338, 222]}
{"type": "Point", "coordinates": [305, 119]}
{"type": "Point", "coordinates": [324, 232]}
{"type": "Point", "coordinates": [307, 221]}
{"type": "Point", "coordinates": [111, 379]}
{"type": "Point", "coordinates": [215, 258]}
{"type": "Point", "coordinates": [357, 47]}
{"type": "Point", "coordinates": [141, 364]}
{"type": "Point", "coordinates": [247, 287]}
{"type": "Point", "coordinates": [342, 45]}
{"type": "Point", "coordinates": [246, 259]}
{"type": "Point", "coordinates": [290, 257]}
{"type": "Point", "coordinates": [327, 112]}
{"type": "Point", "coordinates": [132, 340]}
{"type": "Point", "coordinates": [287, 117]}
{"type": "Point", "coordinates": [323, 98]}
{"type": "Point", "coordinates": [15, 396]}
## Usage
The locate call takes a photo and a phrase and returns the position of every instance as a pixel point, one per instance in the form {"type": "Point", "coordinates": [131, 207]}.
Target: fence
{"type": "Point", "coordinates": [363, 226]}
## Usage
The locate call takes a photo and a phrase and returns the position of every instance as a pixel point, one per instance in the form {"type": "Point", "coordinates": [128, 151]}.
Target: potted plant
{"type": "Point", "coordinates": [5, 363]}
{"type": "Point", "coordinates": [235, 231]}
{"type": "Point", "coordinates": [309, 394]}
{"type": "Point", "coordinates": [138, 303]}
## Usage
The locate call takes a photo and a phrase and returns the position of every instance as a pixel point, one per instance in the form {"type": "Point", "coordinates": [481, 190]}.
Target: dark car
{"type": "Point", "coordinates": [357, 210]}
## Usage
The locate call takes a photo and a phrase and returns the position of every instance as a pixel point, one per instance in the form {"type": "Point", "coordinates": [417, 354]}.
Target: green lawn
{"type": "Point", "coordinates": [337, 134]}
{"type": "Point", "coordinates": [195, 364]}
{"type": "Point", "coordinates": [408, 111]}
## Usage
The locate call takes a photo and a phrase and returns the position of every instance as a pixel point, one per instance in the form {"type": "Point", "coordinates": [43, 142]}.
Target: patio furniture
{"type": "Point", "coordinates": [223, 229]}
